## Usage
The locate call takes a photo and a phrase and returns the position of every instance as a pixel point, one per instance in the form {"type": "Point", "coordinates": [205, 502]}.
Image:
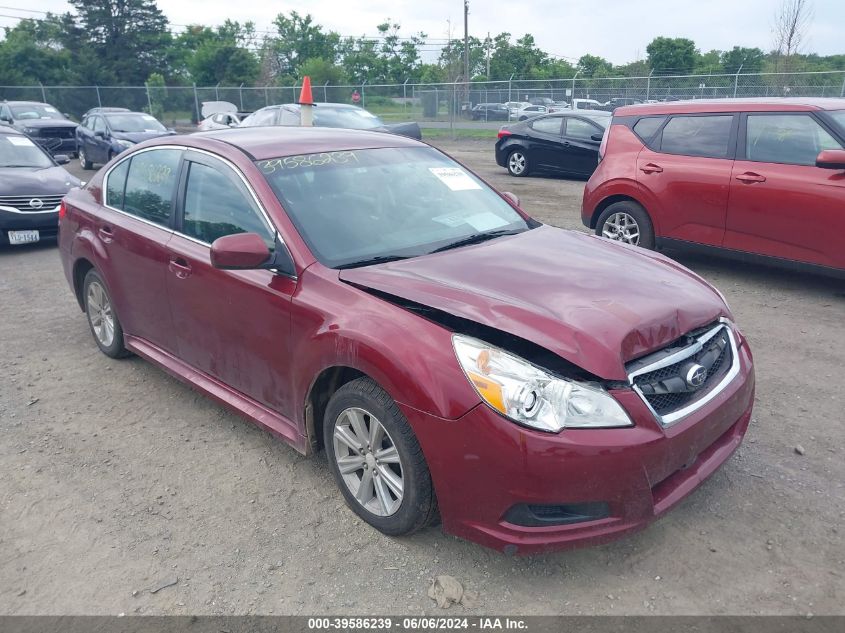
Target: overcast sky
{"type": "Point", "coordinates": [618, 30]}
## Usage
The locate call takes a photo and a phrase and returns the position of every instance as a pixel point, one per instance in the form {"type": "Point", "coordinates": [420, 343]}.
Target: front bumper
{"type": "Point", "coordinates": [46, 223]}
{"type": "Point", "coordinates": [55, 145]}
{"type": "Point", "coordinates": [483, 465]}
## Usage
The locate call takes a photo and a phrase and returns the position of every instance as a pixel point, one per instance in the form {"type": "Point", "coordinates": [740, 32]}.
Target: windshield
{"type": "Point", "coordinates": [35, 111]}
{"type": "Point", "coordinates": [355, 206]}
{"type": "Point", "coordinates": [19, 151]}
{"type": "Point", "coordinates": [134, 123]}
{"type": "Point", "coordinates": [352, 118]}
{"type": "Point", "coordinates": [838, 117]}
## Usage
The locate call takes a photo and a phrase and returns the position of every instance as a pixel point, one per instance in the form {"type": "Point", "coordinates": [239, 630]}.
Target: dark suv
{"type": "Point", "coordinates": [43, 123]}
{"type": "Point", "coordinates": [490, 112]}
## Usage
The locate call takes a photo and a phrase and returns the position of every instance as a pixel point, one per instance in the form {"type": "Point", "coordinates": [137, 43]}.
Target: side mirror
{"type": "Point", "coordinates": [512, 197]}
{"type": "Point", "coordinates": [5, 119]}
{"type": "Point", "coordinates": [100, 134]}
{"type": "Point", "coordinates": [597, 137]}
{"type": "Point", "coordinates": [831, 159]}
{"type": "Point", "coordinates": [61, 159]}
{"type": "Point", "coordinates": [241, 251]}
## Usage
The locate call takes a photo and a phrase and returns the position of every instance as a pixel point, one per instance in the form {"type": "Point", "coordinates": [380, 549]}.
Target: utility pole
{"type": "Point", "coordinates": [466, 42]}
{"type": "Point", "coordinates": [488, 43]}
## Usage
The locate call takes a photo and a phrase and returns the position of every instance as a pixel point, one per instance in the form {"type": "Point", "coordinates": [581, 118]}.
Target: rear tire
{"type": "Point", "coordinates": [518, 163]}
{"type": "Point", "coordinates": [102, 319]}
{"type": "Point", "coordinates": [627, 222]}
{"type": "Point", "coordinates": [86, 164]}
{"type": "Point", "coordinates": [385, 478]}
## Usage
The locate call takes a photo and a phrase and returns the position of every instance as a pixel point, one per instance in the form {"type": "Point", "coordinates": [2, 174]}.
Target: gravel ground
{"type": "Point", "coordinates": [117, 480]}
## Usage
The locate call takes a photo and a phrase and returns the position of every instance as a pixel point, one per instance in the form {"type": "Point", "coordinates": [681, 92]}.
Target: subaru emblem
{"type": "Point", "coordinates": [696, 376]}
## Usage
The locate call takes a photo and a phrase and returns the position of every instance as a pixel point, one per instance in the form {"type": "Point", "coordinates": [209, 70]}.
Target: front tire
{"type": "Point", "coordinates": [377, 461]}
{"type": "Point", "coordinates": [102, 319]}
{"type": "Point", "coordinates": [627, 222]}
{"type": "Point", "coordinates": [518, 163]}
{"type": "Point", "coordinates": [86, 164]}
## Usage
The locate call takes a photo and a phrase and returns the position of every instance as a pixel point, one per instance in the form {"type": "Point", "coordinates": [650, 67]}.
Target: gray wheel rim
{"type": "Point", "coordinates": [368, 462]}
{"type": "Point", "coordinates": [100, 314]}
{"type": "Point", "coordinates": [621, 227]}
{"type": "Point", "coordinates": [82, 158]}
{"type": "Point", "coordinates": [516, 162]}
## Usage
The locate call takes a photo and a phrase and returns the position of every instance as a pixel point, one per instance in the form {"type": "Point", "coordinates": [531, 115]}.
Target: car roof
{"type": "Point", "coordinates": [26, 103]}
{"type": "Point", "coordinates": [732, 105]}
{"type": "Point", "coordinates": [262, 142]}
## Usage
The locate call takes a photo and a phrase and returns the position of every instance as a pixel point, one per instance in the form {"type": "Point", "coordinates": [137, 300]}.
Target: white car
{"type": "Point", "coordinates": [587, 104]}
{"type": "Point", "coordinates": [530, 111]}
{"type": "Point", "coordinates": [218, 115]}
{"type": "Point", "coordinates": [514, 107]}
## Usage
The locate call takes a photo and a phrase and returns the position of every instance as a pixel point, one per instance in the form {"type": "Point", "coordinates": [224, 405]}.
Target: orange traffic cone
{"type": "Point", "coordinates": [305, 97]}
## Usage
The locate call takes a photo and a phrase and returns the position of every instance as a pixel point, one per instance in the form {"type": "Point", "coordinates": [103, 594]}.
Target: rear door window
{"type": "Point", "coordinates": [150, 184]}
{"type": "Point", "coordinates": [791, 139]}
{"type": "Point", "coordinates": [547, 125]}
{"type": "Point", "coordinates": [580, 129]}
{"type": "Point", "coordinates": [707, 136]}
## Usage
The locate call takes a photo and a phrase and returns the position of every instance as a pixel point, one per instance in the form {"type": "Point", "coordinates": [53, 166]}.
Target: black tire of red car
{"type": "Point", "coordinates": [418, 507]}
{"type": "Point", "coordinates": [116, 348]}
{"type": "Point", "coordinates": [87, 165]}
{"type": "Point", "coordinates": [645, 227]}
{"type": "Point", "coordinates": [518, 163]}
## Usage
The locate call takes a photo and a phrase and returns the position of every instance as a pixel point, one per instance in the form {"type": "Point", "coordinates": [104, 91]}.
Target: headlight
{"type": "Point", "coordinates": [32, 131]}
{"type": "Point", "coordinates": [530, 395]}
{"type": "Point", "coordinates": [124, 144]}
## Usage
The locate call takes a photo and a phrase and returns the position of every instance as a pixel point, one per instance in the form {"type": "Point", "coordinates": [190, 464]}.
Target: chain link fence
{"type": "Point", "coordinates": [180, 106]}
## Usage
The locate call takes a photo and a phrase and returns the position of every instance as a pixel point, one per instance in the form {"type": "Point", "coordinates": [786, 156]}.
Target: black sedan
{"type": "Point", "coordinates": [32, 186]}
{"type": "Point", "coordinates": [560, 143]}
{"type": "Point", "coordinates": [490, 112]}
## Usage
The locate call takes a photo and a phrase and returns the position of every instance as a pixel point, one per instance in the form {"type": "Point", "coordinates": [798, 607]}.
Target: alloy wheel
{"type": "Point", "coordinates": [368, 461]}
{"type": "Point", "coordinates": [621, 227]}
{"type": "Point", "coordinates": [100, 314]}
{"type": "Point", "coordinates": [516, 162]}
{"type": "Point", "coordinates": [82, 160]}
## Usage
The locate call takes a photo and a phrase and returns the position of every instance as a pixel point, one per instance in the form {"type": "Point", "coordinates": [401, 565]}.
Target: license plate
{"type": "Point", "coordinates": [23, 237]}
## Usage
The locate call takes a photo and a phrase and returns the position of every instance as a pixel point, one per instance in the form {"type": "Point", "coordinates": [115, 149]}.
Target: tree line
{"type": "Point", "coordinates": [131, 42]}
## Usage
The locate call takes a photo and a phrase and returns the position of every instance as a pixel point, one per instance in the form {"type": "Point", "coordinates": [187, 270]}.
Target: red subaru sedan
{"type": "Point", "coordinates": [365, 294]}
{"type": "Point", "coordinates": [758, 179]}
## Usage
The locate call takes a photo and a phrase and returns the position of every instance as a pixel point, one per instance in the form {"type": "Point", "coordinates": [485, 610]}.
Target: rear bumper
{"type": "Point", "coordinates": [483, 465]}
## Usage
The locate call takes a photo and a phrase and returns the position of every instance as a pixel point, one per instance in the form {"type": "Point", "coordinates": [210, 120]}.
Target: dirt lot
{"type": "Point", "coordinates": [116, 480]}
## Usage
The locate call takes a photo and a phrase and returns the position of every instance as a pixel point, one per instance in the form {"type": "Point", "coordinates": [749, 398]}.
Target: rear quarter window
{"type": "Point", "coordinates": [115, 185]}
{"type": "Point", "coordinates": [647, 127]}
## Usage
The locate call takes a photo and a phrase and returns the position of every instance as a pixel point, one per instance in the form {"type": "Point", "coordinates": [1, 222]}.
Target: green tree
{"type": "Point", "coordinates": [299, 39]}
{"type": "Point", "coordinates": [157, 94]}
{"type": "Point", "coordinates": [671, 55]}
{"type": "Point", "coordinates": [128, 37]}
{"type": "Point", "coordinates": [520, 58]}
{"type": "Point", "coordinates": [749, 59]}
{"type": "Point", "coordinates": [593, 66]}
{"type": "Point", "coordinates": [321, 71]}
{"type": "Point", "coordinates": [32, 51]}
{"type": "Point", "coordinates": [222, 55]}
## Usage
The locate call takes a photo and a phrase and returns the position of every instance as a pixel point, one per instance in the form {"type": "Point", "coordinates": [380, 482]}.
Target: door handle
{"type": "Point", "coordinates": [180, 267]}
{"type": "Point", "coordinates": [750, 177]}
{"type": "Point", "coordinates": [651, 168]}
{"type": "Point", "coordinates": [106, 233]}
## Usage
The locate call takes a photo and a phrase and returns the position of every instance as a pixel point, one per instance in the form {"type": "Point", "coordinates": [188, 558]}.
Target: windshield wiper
{"type": "Point", "coordinates": [477, 238]}
{"type": "Point", "coordinates": [380, 259]}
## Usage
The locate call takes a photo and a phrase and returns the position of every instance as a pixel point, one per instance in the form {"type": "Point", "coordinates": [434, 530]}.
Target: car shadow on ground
{"type": "Point", "coordinates": [47, 244]}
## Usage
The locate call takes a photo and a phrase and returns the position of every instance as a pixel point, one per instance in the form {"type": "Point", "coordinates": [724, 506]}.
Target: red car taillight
{"type": "Point", "coordinates": [62, 210]}
{"type": "Point", "coordinates": [503, 133]}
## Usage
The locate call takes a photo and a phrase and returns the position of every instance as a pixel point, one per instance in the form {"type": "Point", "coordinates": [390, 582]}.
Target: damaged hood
{"type": "Point", "coordinates": [595, 303]}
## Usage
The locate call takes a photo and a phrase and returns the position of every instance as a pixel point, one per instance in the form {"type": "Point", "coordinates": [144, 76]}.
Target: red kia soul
{"type": "Point", "coordinates": [762, 179]}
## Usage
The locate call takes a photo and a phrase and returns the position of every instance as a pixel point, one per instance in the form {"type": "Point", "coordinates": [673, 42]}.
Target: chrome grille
{"type": "Point", "coordinates": [24, 204]}
{"type": "Point", "coordinates": [56, 132]}
{"type": "Point", "coordinates": [661, 379]}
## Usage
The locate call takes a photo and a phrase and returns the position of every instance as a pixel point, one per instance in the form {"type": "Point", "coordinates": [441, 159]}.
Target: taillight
{"type": "Point", "coordinates": [62, 210]}
{"type": "Point", "coordinates": [503, 133]}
